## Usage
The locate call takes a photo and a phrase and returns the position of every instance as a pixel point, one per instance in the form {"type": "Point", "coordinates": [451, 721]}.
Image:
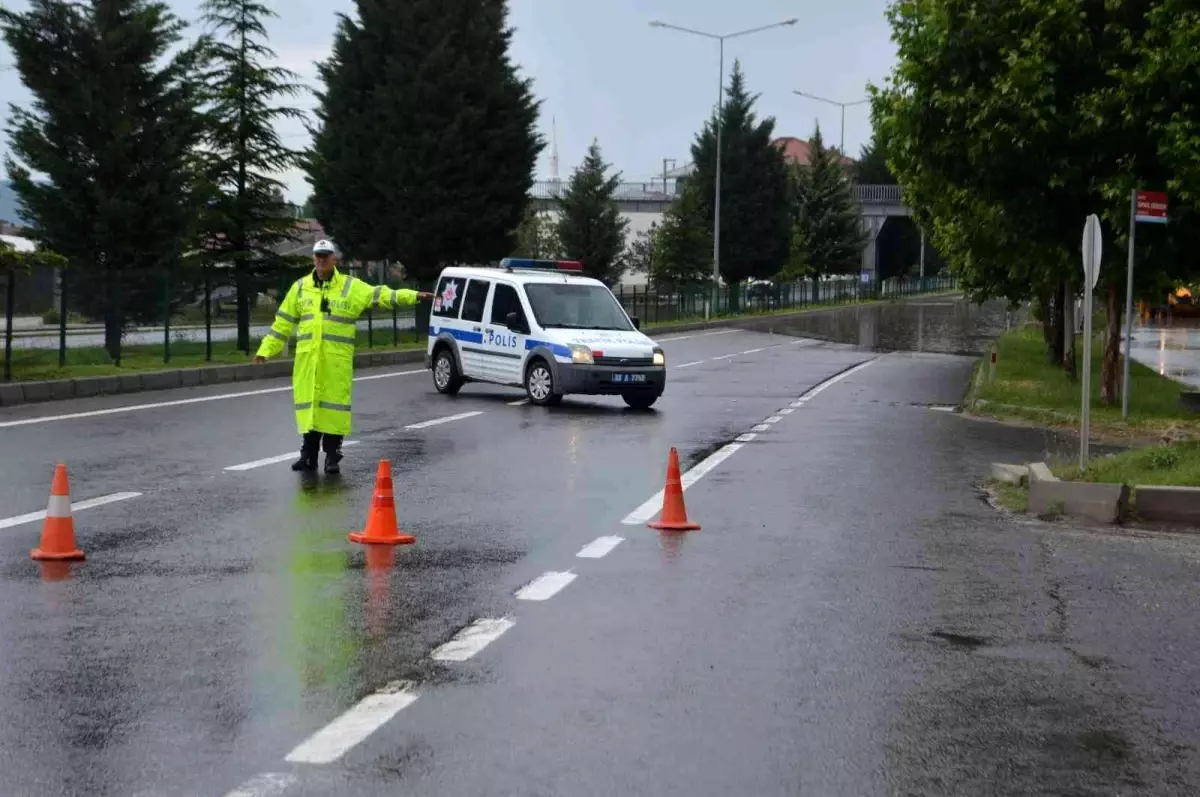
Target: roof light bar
{"type": "Point", "coordinates": [542, 265]}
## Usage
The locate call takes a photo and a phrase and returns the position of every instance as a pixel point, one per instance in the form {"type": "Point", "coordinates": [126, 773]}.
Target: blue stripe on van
{"type": "Point", "coordinates": [557, 349]}
{"type": "Point", "coordinates": [457, 334]}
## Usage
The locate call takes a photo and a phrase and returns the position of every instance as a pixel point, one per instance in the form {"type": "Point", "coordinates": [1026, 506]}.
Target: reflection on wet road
{"type": "Point", "coordinates": [224, 638]}
{"type": "Point", "coordinates": [1172, 351]}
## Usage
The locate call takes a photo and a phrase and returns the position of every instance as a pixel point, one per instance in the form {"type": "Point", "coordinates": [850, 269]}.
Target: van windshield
{"type": "Point", "coordinates": [573, 306]}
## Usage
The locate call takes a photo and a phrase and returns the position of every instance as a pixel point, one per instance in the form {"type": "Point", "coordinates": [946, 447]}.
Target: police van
{"type": "Point", "coordinates": [543, 326]}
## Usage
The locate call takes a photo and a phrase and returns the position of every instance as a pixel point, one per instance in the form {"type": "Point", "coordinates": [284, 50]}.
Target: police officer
{"type": "Point", "coordinates": [323, 307]}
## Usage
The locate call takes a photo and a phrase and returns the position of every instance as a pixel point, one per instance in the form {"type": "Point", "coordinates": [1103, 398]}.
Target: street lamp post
{"type": "Point", "coordinates": [720, 97]}
{"type": "Point", "coordinates": [843, 106]}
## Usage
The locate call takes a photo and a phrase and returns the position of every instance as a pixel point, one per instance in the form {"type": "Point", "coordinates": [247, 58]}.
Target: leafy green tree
{"type": "Point", "coordinates": [1009, 122]}
{"type": "Point", "coordinates": [590, 224]}
{"type": "Point", "coordinates": [682, 253]}
{"type": "Point", "coordinates": [426, 138]}
{"type": "Point", "coordinates": [755, 213]}
{"type": "Point", "coordinates": [114, 125]}
{"type": "Point", "coordinates": [246, 218]}
{"type": "Point", "coordinates": [537, 237]}
{"type": "Point", "coordinates": [827, 233]}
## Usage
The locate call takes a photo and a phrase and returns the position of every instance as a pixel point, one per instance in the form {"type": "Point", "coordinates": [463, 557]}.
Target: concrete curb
{"type": "Point", "coordinates": [31, 392]}
{"type": "Point", "coordinates": [14, 393]}
{"type": "Point", "coordinates": [1170, 504]}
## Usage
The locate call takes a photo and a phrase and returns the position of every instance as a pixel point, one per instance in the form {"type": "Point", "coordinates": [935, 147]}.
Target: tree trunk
{"type": "Point", "coordinates": [1068, 322]}
{"type": "Point", "coordinates": [1110, 371]}
{"type": "Point", "coordinates": [243, 306]}
{"type": "Point", "coordinates": [1059, 303]}
{"type": "Point", "coordinates": [1046, 299]}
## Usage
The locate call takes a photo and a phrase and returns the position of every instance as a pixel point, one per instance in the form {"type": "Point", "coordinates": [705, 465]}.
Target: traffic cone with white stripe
{"type": "Point", "coordinates": [674, 512]}
{"type": "Point", "coordinates": [58, 529]}
{"type": "Point", "coordinates": [382, 528]}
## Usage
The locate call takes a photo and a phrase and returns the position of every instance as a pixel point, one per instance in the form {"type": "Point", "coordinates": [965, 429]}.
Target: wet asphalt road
{"type": "Point", "coordinates": [852, 618]}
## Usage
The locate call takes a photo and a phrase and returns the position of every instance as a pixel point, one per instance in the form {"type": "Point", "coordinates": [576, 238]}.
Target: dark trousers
{"type": "Point", "coordinates": [329, 443]}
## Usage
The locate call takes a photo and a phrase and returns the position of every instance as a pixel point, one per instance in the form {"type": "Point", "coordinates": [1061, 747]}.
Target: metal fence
{"type": "Point", "coordinates": [655, 306]}
{"type": "Point", "coordinates": [50, 323]}
{"type": "Point", "coordinates": [191, 319]}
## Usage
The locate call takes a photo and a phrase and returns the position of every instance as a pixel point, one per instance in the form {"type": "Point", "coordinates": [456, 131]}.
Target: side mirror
{"type": "Point", "coordinates": [637, 322]}
{"type": "Point", "coordinates": [513, 322]}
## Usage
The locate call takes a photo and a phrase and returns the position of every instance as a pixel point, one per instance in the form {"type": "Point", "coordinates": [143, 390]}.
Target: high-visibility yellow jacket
{"type": "Point", "coordinates": [323, 372]}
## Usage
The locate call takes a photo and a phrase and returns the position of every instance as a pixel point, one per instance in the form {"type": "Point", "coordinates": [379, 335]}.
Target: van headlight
{"type": "Point", "coordinates": [580, 354]}
{"type": "Point", "coordinates": [659, 357]}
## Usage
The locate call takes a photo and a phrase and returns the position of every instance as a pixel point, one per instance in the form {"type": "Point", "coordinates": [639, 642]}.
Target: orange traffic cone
{"type": "Point", "coordinates": [674, 513]}
{"type": "Point", "coordinates": [58, 529]}
{"type": "Point", "coordinates": [382, 528]}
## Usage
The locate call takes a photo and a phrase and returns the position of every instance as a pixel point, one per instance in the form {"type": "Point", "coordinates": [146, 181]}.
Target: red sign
{"type": "Point", "coordinates": [1151, 206]}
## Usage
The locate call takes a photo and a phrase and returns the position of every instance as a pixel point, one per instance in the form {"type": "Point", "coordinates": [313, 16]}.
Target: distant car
{"type": "Point", "coordinates": [543, 326]}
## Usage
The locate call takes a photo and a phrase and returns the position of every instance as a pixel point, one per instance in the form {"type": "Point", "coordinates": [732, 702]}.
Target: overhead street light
{"type": "Point", "coordinates": [720, 104]}
{"type": "Point", "coordinates": [843, 106]}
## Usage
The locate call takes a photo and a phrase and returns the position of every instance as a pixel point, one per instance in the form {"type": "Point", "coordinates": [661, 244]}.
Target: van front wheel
{"type": "Point", "coordinates": [539, 384]}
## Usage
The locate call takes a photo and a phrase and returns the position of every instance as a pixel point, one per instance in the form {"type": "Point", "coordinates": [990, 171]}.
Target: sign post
{"type": "Point", "coordinates": [1092, 249]}
{"type": "Point", "coordinates": [1148, 206]}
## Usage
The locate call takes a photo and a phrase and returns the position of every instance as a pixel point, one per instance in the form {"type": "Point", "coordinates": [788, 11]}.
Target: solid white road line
{"type": "Point", "coordinates": [699, 335]}
{"type": "Point", "coordinates": [472, 639]}
{"type": "Point", "coordinates": [75, 507]}
{"type": "Point", "coordinates": [258, 463]}
{"type": "Point", "coordinates": [654, 504]}
{"type": "Point", "coordinates": [545, 586]}
{"type": "Point", "coordinates": [181, 402]}
{"type": "Point", "coordinates": [599, 547]}
{"type": "Point", "coordinates": [268, 784]}
{"type": "Point", "coordinates": [517, 403]}
{"type": "Point", "coordinates": [447, 419]}
{"type": "Point", "coordinates": [331, 742]}
{"type": "Point", "coordinates": [688, 365]}
{"type": "Point", "coordinates": [939, 408]}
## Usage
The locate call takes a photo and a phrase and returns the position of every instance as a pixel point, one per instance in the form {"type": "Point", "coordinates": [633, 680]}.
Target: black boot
{"type": "Point", "coordinates": [333, 453]}
{"type": "Point", "coordinates": [308, 452]}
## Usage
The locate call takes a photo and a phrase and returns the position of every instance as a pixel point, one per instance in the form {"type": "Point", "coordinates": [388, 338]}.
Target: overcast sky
{"type": "Point", "coordinates": [602, 72]}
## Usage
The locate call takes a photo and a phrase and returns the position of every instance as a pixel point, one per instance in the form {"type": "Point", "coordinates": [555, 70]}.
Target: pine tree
{"type": "Point", "coordinates": [682, 253]}
{"type": "Point", "coordinates": [641, 250]}
{"type": "Point", "coordinates": [114, 126]}
{"type": "Point", "coordinates": [591, 227]}
{"type": "Point", "coordinates": [872, 167]}
{"type": "Point", "coordinates": [827, 231]}
{"type": "Point", "coordinates": [426, 139]}
{"type": "Point", "coordinates": [245, 219]}
{"type": "Point", "coordinates": [755, 215]}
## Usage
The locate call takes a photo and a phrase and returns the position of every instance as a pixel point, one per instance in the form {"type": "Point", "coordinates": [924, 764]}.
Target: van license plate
{"type": "Point", "coordinates": [628, 378]}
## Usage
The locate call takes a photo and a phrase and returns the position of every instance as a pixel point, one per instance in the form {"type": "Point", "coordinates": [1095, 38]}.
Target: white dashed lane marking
{"type": "Point", "coordinates": [335, 739]}
{"type": "Point", "coordinates": [75, 507]}
{"type": "Point", "coordinates": [447, 419]}
{"type": "Point", "coordinates": [259, 463]}
{"type": "Point", "coordinates": [472, 639]}
{"type": "Point", "coordinates": [599, 547]}
{"type": "Point", "coordinates": [654, 504]}
{"type": "Point", "coordinates": [268, 784]}
{"type": "Point", "coordinates": [545, 586]}
{"type": "Point", "coordinates": [689, 365]}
